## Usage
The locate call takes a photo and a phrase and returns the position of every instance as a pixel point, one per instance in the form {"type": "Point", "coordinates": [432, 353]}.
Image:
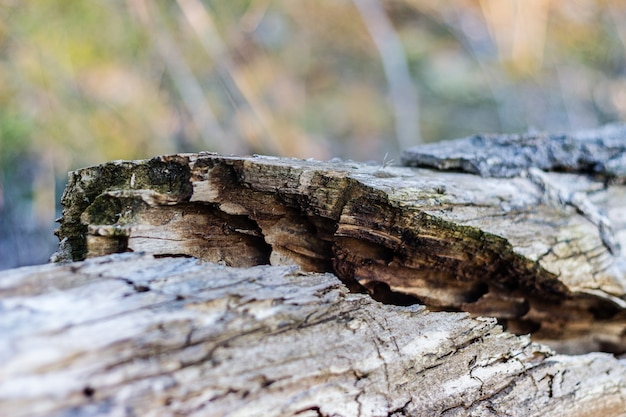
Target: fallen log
{"type": "Point", "coordinates": [130, 334]}
{"type": "Point", "coordinates": [253, 286]}
{"type": "Point", "coordinates": [540, 252]}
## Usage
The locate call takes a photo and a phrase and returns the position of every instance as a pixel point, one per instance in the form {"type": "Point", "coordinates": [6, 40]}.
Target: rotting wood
{"type": "Point", "coordinates": [133, 335]}
{"type": "Point", "coordinates": [452, 241]}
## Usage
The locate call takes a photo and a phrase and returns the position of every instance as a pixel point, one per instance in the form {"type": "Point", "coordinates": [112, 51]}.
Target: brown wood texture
{"type": "Point", "coordinates": [497, 247]}
{"type": "Point", "coordinates": [134, 335]}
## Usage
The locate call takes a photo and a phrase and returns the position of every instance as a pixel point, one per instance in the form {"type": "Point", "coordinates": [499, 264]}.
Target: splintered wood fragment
{"type": "Point", "coordinates": [134, 335]}
{"type": "Point", "coordinates": [452, 241]}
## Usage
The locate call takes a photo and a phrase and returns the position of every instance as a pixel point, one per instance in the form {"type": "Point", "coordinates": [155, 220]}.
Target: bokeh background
{"type": "Point", "coordinates": [87, 81]}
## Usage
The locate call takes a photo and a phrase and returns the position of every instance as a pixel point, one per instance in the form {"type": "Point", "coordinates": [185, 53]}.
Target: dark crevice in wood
{"type": "Point", "coordinates": [89, 392]}
{"type": "Point", "coordinates": [381, 292]}
{"type": "Point", "coordinates": [246, 216]}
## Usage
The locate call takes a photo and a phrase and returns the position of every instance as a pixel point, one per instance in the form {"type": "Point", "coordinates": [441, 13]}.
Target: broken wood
{"type": "Point", "coordinates": [497, 247]}
{"type": "Point", "coordinates": [537, 247]}
{"type": "Point", "coordinates": [134, 335]}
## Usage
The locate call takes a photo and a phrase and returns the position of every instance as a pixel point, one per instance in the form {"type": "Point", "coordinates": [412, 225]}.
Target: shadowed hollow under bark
{"type": "Point", "coordinates": [529, 254]}
{"type": "Point", "coordinates": [296, 330]}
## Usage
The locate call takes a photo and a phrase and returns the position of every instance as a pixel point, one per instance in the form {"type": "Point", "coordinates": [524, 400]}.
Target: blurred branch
{"type": "Point", "coordinates": [618, 15]}
{"type": "Point", "coordinates": [186, 83]}
{"type": "Point", "coordinates": [256, 129]}
{"type": "Point", "coordinates": [519, 29]}
{"type": "Point", "coordinates": [253, 16]}
{"type": "Point", "coordinates": [402, 90]}
{"type": "Point", "coordinates": [471, 30]}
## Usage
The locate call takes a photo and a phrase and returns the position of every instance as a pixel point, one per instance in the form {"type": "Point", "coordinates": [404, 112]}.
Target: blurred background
{"type": "Point", "coordinates": [87, 81]}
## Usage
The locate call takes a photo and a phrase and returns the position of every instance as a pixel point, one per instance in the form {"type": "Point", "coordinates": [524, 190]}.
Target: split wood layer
{"type": "Point", "coordinates": [452, 241]}
{"type": "Point", "coordinates": [131, 335]}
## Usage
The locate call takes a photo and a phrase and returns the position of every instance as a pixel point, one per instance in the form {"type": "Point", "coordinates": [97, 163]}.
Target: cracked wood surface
{"type": "Point", "coordinates": [130, 334]}
{"type": "Point", "coordinates": [495, 247]}
{"type": "Point", "coordinates": [599, 152]}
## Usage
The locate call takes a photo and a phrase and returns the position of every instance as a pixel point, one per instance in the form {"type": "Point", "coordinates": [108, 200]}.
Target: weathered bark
{"type": "Point", "coordinates": [538, 251]}
{"type": "Point", "coordinates": [520, 249]}
{"type": "Point", "coordinates": [131, 335]}
{"type": "Point", "coordinates": [599, 152]}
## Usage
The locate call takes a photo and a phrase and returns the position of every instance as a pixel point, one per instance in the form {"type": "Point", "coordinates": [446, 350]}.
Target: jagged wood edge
{"type": "Point", "coordinates": [363, 222]}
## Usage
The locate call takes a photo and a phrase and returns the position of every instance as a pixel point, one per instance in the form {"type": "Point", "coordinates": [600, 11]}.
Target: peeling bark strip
{"type": "Point", "coordinates": [131, 335]}
{"type": "Point", "coordinates": [490, 246]}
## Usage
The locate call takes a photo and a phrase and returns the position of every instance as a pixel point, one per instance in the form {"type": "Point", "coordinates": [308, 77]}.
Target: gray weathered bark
{"type": "Point", "coordinates": [500, 247]}
{"type": "Point", "coordinates": [535, 246]}
{"type": "Point", "coordinates": [599, 152]}
{"type": "Point", "coordinates": [129, 335]}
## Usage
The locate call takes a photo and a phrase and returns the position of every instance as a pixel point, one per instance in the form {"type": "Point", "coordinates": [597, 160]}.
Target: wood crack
{"type": "Point", "coordinates": [342, 218]}
{"type": "Point", "coordinates": [238, 346]}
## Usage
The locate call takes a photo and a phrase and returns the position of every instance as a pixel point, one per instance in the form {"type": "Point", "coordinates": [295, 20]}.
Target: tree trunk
{"type": "Point", "coordinates": [131, 335]}
{"type": "Point", "coordinates": [534, 244]}
{"type": "Point", "coordinates": [512, 248]}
